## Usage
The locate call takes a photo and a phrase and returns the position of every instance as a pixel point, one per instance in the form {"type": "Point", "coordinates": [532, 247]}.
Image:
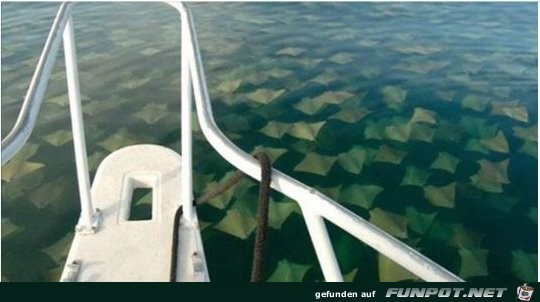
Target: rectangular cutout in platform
{"type": "Point", "coordinates": [141, 204]}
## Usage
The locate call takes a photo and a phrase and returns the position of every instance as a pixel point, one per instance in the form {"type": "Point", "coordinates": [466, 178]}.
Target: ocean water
{"type": "Point", "coordinates": [421, 118]}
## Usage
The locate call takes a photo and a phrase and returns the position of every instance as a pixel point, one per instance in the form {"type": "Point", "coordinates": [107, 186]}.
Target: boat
{"type": "Point", "coordinates": [109, 246]}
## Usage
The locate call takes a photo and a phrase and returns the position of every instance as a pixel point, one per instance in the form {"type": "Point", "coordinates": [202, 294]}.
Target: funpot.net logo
{"type": "Point", "coordinates": [480, 292]}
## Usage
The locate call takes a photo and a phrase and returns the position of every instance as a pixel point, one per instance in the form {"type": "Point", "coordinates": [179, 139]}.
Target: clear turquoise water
{"type": "Point", "coordinates": [421, 118]}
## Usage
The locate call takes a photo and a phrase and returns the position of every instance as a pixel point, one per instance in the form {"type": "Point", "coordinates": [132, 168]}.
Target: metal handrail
{"type": "Point", "coordinates": [314, 205]}
{"type": "Point", "coordinates": [26, 119]}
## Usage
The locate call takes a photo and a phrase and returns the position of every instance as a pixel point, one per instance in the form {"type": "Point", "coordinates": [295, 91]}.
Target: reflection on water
{"type": "Point", "coordinates": [421, 118]}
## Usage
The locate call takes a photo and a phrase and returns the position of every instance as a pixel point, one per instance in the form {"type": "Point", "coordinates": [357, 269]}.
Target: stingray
{"type": "Point", "coordinates": [229, 86]}
{"type": "Point", "coordinates": [311, 106]}
{"type": "Point", "coordinates": [491, 176]}
{"type": "Point", "coordinates": [370, 72]}
{"type": "Point", "coordinates": [445, 95]}
{"type": "Point", "coordinates": [462, 78]}
{"type": "Point", "coordinates": [524, 265]}
{"type": "Point", "coordinates": [334, 97]}
{"type": "Point", "coordinates": [307, 131]}
{"type": "Point", "coordinates": [61, 100]}
{"type": "Point", "coordinates": [477, 127]}
{"type": "Point", "coordinates": [421, 67]}
{"type": "Point", "coordinates": [279, 212]}
{"type": "Point", "coordinates": [418, 49]}
{"type": "Point", "coordinates": [353, 160]}
{"type": "Point", "coordinates": [19, 165]}
{"type": "Point", "coordinates": [503, 92]}
{"type": "Point", "coordinates": [473, 263]}
{"type": "Point", "coordinates": [471, 57]}
{"type": "Point", "coordinates": [393, 96]}
{"type": "Point", "coordinates": [236, 224]}
{"type": "Point", "coordinates": [95, 159]}
{"type": "Point", "coordinates": [265, 96]}
{"type": "Point", "coordinates": [290, 51]}
{"type": "Point", "coordinates": [349, 277]}
{"type": "Point", "coordinates": [511, 110]}
{"type": "Point", "coordinates": [200, 181]}
{"type": "Point", "coordinates": [309, 63]}
{"type": "Point", "coordinates": [532, 213]}
{"type": "Point", "coordinates": [390, 271]}
{"type": "Point", "coordinates": [360, 195]}
{"type": "Point", "coordinates": [302, 146]}
{"type": "Point", "coordinates": [254, 19]}
{"type": "Point", "coordinates": [134, 83]}
{"type": "Point", "coordinates": [400, 133]}
{"type": "Point", "coordinates": [386, 154]}
{"type": "Point", "coordinates": [529, 148]}
{"type": "Point", "coordinates": [58, 138]}
{"type": "Point", "coordinates": [279, 73]}
{"type": "Point", "coordinates": [316, 164]}
{"type": "Point", "coordinates": [10, 229]}
{"type": "Point", "coordinates": [332, 192]}
{"type": "Point", "coordinates": [222, 200]}
{"type": "Point", "coordinates": [421, 115]}
{"type": "Point", "coordinates": [96, 107]}
{"type": "Point", "coordinates": [497, 143]}
{"type": "Point", "coordinates": [273, 153]}
{"type": "Point", "coordinates": [374, 130]}
{"type": "Point", "coordinates": [326, 77]}
{"type": "Point", "coordinates": [419, 222]}
{"type": "Point", "coordinates": [445, 161]}
{"type": "Point", "coordinates": [474, 102]}
{"type": "Point", "coordinates": [480, 86]}
{"type": "Point", "coordinates": [392, 223]}
{"type": "Point", "coordinates": [512, 69]}
{"type": "Point", "coordinates": [150, 51]}
{"type": "Point", "coordinates": [121, 138]}
{"type": "Point", "coordinates": [50, 193]}
{"type": "Point", "coordinates": [245, 201]}
{"type": "Point", "coordinates": [350, 114]}
{"type": "Point", "coordinates": [465, 238]}
{"type": "Point", "coordinates": [421, 132]}
{"type": "Point", "coordinates": [526, 133]}
{"type": "Point", "coordinates": [275, 129]}
{"type": "Point", "coordinates": [367, 43]}
{"type": "Point", "coordinates": [342, 58]}
{"type": "Point", "coordinates": [476, 145]}
{"type": "Point", "coordinates": [59, 250]}
{"type": "Point", "coordinates": [256, 79]}
{"type": "Point", "coordinates": [449, 132]}
{"type": "Point", "coordinates": [51, 113]}
{"type": "Point", "coordinates": [152, 113]}
{"type": "Point", "coordinates": [441, 196]}
{"type": "Point", "coordinates": [415, 176]}
{"type": "Point", "coordinates": [287, 271]}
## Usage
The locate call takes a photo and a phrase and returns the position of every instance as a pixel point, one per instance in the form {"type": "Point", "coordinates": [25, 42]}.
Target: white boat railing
{"type": "Point", "coordinates": [315, 206]}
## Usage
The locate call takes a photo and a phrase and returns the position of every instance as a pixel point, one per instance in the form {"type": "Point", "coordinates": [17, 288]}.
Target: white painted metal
{"type": "Point", "coordinates": [26, 120]}
{"type": "Point", "coordinates": [187, 99]}
{"type": "Point", "coordinates": [190, 257]}
{"type": "Point", "coordinates": [89, 219]}
{"type": "Point", "coordinates": [125, 250]}
{"type": "Point", "coordinates": [307, 197]}
{"type": "Point", "coordinates": [323, 246]}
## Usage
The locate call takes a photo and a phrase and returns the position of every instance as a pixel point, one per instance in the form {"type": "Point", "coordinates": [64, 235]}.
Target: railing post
{"type": "Point", "coordinates": [187, 100]}
{"type": "Point", "coordinates": [314, 204]}
{"type": "Point", "coordinates": [19, 134]}
{"type": "Point", "coordinates": [89, 219]}
{"type": "Point", "coordinates": [323, 246]}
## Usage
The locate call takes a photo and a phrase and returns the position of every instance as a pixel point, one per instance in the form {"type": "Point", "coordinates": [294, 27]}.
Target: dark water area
{"type": "Point", "coordinates": [421, 118]}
